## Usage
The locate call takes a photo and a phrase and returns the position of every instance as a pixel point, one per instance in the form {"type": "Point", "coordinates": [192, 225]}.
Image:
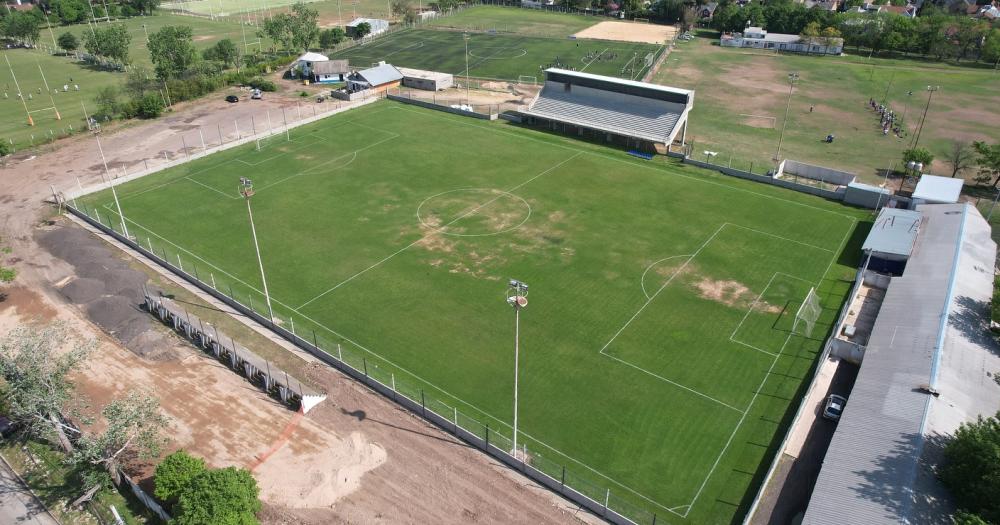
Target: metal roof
{"type": "Point", "coordinates": [877, 467]}
{"type": "Point", "coordinates": [380, 74]}
{"type": "Point", "coordinates": [934, 189]}
{"type": "Point", "coordinates": [312, 57]}
{"type": "Point", "coordinates": [893, 232]}
{"type": "Point", "coordinates": [331, 67]}
{"type": "Point", "coordinates": [621, 81]}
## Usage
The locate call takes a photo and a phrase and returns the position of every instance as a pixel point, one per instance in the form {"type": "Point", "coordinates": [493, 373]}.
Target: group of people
{"type": "Point", "coordinates": [888, 118]}
{"type": "Point", "coordinates": [599, 56]}
{"type": "Point", "coordinates": [76, 87]}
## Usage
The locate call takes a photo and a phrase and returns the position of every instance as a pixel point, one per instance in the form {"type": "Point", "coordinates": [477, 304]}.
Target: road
{"type": "Point", "coordinates": [17, 504]}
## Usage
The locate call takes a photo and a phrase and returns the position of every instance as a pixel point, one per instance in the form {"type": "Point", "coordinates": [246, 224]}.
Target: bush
{"type": "Point", "coordinates": [149, 106]}
{"type": "Point", "coordinates": [222, 497]}
{"type": "Point", "coordinates": [5, 148]}
{"type": "Point", "coordinates": [263, 84]}
{"type": "Point", "coordinates": [175, 473]}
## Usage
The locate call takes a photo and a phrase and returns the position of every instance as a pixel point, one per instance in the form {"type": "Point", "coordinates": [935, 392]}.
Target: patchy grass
{"type": "Point", "coordinates": [513, 20]}
{"type": "Point", "coordinates": [394, 248]}
{"type": "Point", "coordinates": [731, 84]}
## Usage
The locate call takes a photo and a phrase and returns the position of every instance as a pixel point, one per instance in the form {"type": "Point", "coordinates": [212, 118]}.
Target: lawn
{"type": "Point", "coordinates": [58, 71]}
{"type": "Point", "coordinates": [501, 56]}
{"type": "Point", "coordinates": [657, 360]}
{"type": "Point", "coordinates": [734, 83]}
{"type": "Point", "coordinates": [513, 20]}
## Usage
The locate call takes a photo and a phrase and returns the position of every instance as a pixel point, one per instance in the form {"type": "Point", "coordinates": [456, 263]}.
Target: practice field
{"type": "Point", "coordinates": [742, 95]}
{"type": "Point", "coordinates": [514, 20]}
{"type": "Point", "coordinates": [502, 56]}
{"type": "Point", "coordinates": [657, 360]}
{"type": "Point", "coordinates": [629, 32]}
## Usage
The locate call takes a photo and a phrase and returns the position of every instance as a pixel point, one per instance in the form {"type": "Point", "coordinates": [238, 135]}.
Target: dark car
{"type": "Point", "coordinates": [232, 99]}
{"type": "Point", "coordinates": [6, 427]}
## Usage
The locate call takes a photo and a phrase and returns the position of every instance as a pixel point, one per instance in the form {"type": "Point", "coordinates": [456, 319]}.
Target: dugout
{"type": "Point", "coordinates": [640, 115]}
{"type": "Point", "coordinates": [890, 242]}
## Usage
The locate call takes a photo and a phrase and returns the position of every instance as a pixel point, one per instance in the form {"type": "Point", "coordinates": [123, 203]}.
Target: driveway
{"type": "Point", "coordinates": [17, 504]}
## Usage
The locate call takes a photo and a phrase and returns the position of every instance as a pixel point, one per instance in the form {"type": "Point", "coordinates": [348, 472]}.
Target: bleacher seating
{"type": "Point", "coordinates": [606, 110]}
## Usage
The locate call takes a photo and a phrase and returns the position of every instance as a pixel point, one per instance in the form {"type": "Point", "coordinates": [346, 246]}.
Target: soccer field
{"type": "Point", "coordinates": [502, 56]}
{"type": "Point", "coordinates": [657, 360]}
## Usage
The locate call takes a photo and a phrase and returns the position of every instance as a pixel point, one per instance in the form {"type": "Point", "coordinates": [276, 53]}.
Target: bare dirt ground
{"type": "Point", "coordinates": [629, 32]}
{"type": "Point", "coordinates": [357, 458]}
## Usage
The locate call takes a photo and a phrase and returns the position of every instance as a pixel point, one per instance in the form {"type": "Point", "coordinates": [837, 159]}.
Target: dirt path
{"type": "Point", "coordinates": [356, 458]}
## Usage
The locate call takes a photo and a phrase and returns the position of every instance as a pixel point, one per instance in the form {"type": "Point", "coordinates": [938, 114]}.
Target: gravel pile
{"type": "Point", "coordinates": [109, 291]}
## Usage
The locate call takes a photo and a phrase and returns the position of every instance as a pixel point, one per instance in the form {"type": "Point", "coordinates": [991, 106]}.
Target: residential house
{"type": "Point", "coordinates": [757, 37]}
{"type": "Point", "coordinates": [302, 67]}
{"type": "Point", "coordinates": [330, 71]}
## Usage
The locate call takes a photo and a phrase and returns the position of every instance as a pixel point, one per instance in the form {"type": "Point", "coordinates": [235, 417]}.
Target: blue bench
{"type": "Point", "coordinates": [641, 155]}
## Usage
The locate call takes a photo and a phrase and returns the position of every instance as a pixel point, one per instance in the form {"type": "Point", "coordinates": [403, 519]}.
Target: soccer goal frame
{"type": "Point", "coordinates": [527, 79]}
{"type": "Point", "coordinates": [807, 314]}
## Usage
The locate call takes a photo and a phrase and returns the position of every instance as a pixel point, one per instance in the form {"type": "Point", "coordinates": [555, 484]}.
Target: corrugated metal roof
{"type": "Point", "coordinates": [621, 81]}
{"type": "Point", "coordinates": [381, 74]}
{"type": "Point", "coordinates": [893, 232]}
{"type": "Point", "coordinates": [331, 67]}
{"type": "Point", "coordinates": [873, 471]}
{"type": "Point", "coordinates": [932, 188]}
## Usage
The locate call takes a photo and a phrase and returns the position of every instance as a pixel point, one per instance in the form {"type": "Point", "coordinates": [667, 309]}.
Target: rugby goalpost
{"type": "Point", "coordinates": [807, 314]}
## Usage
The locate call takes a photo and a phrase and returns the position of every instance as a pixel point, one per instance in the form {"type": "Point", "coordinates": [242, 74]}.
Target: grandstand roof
{"type": "Point", "coordinates": [613, 105]}
{"type": "Point", "coordinates": [894, 232]}
{"type": "Point", "coordinates": [380, 74]}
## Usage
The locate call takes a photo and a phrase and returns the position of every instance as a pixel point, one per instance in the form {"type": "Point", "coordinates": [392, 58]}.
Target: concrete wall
{"type": "Point", "coordinates": [446, 109]}
{"type": "Point", "coordinates": [837, 195]}
{"type": "Point", "coordinates": [809, 171]}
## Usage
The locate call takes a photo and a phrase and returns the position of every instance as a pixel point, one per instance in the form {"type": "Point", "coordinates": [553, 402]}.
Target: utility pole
{"type": "Point", "coordinates": [792, 77]}
{"type": "Point", "coordinates": [930, 93]}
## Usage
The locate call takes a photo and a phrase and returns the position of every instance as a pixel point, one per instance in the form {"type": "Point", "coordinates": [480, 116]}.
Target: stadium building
{"type": "Point", "coordinates": [648, 117]}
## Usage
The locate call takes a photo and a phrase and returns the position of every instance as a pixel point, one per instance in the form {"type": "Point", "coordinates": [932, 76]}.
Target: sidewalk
{"type": "Point", "coordinates": [17, 503]}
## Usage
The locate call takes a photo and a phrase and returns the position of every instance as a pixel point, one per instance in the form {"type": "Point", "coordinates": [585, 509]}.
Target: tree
{"type": "Point", "coordinates": [362, 29]}
{"type": "Point", "coordinates": [21, 25]}
{"type": "Point", "coordinates": [329, 38]}
{"type": "Point", "coordinates": [5, 149]}
{"type": "Point", "coordinates": [134, 428]}
{"type": "Point", "coordinates": [991, 48]}
{"type": "Point", "coordinates": [107, 102]}
{"type": "Point", "coordinates": [960, 158]}
{"type": "Point", "coordinates": [68, 42]}
{"type": "Point", "coordinates": [172, 51]}
{"type": "Point", "coordinates": [143, 6]}
{"type": "Point", "coordinates": [224, 51]}
{"type": "Point", "coordinates": [137, 82]}
{"type": "Point", "coordinates": [445, 5]}
{"type": "Point", "coordinates": [37, 389]}
{"type": "Point", "coordinates": [988, 160]}
{"type": "Point", "coordinates": [222, 497]}
{"type": "Point", "coordinates": [70, 11]}
{"type": "Point", "coordinates": [109, 42]}
{"type": "Point", "coordinates": [921, 155]}
{"type": "Point", "coordinates": [304, 26]}
{"type": "Point", "coordinates": [175, 473]}
{"type": "Point", "coordinates": [400, 7]}
{"type": "Point", "coordinates": [278, 29]}
{"type": "Point", "coordinates": [971, 467]}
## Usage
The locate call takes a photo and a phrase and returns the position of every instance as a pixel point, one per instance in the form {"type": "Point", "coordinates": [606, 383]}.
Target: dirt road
{"type": "Point", "coordinates": [356, 458]}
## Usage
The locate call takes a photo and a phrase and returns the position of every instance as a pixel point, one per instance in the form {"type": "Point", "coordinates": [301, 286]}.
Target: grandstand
{"type": "Point", "coordinates": [649, 116]}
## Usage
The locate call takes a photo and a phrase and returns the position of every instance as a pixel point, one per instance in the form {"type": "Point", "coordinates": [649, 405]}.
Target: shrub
{"type": "Point", "coordinates": [174, 473]}
{"type": "Point", "coordinates": [149, 106]}
{"type": "Point", "coordinates": [5, 148]}
{"type": "Point", "coordinates": [222, 497]}
{"type": "Point", "coordinates": [263, 84]}
{"type": "Point", "coordinates": [971, 468]}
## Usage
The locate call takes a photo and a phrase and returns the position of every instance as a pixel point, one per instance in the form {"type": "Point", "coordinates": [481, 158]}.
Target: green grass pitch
{"type": "Point", "coordinates": [657, 359]}
{"type": "Point", "coordinates": [500, 55]}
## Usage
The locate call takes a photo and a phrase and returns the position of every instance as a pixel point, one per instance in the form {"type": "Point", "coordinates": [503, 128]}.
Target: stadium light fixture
{"type": "Point", "coordinates": [517, 298]}
{"type": "Point", "coordinates": [246, 190]}
{"type": "Point", "coordinates": [792, 78]}
{"type": "Point", "coordinates": [923, 118]}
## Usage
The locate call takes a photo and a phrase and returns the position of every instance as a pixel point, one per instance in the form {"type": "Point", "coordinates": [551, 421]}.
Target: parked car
{"type": "Point", "coordinates": [834, 407]}
{"type": "Point", "coordinates": [232, 99]}
{"type": "Point", "coordinates": [257, 94]}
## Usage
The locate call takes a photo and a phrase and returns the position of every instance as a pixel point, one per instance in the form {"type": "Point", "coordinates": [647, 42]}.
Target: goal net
{"type": "Point", "coordinates": [526, 79]}
{"type": "Point", "coordinates": [808, 313]}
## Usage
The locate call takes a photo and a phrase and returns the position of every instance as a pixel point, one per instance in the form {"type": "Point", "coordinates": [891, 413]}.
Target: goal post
{"type": "Point", "coordinates": [807, 314]}
{"type": "Point", "coordinates": [527, 79]}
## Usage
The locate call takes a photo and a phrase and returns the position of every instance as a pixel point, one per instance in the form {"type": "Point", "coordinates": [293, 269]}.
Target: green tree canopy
{"type": "Point", "coordinates": [68, 41]}
{"type": "Point", "coordinates": [109, 42]}
{"type": "Point", "coordinates": [224, 51]}
{"type": "Point", "coordinates": [70, 11]}
{"type": "Point", "coordinates": [362, 29]}
{"type": "Point", "coordinates": [221, 497]}
{"type": "Point", "coordinates": [175, 473]}
{"type": "Point", "coordinates": [21, 25]}
{"type": "Point", "coordinates": [172, 51]}
{"type": "Point", "coordinates": [971, 468]}
{"type": "Point", "coordinates": [329, 38]}
{"type": "Point", "coordinates": [988, 158]}
{"type": "Point", "coordinates": [921, 155]}
{"type": "Point", "coordinates": [304, 26]}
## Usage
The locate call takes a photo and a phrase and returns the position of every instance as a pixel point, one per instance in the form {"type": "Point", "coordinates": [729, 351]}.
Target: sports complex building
{"type": "Point", "coordinates": [649, 117]}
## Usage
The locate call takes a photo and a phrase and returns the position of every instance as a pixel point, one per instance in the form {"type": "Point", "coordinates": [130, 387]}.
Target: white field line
{"type": "Point", "coordinates": [593, 60]}
{"type": "Point", "coordinates": [279, 155]}
{"type": "Point", "coordinates": [642, 280]}
{"type": "Point", "coordinates": [188, 177]}
{"type": "Point", "coordinates": [813, 246]}
{"type": "Point", "coordinates": [408, 246]}
{"type": "Point", "coordinates": [647, 166]}
{"type": "Point", "coordinates": [674, 383]}
{"type": "Point", "coordinates": [819, 281]}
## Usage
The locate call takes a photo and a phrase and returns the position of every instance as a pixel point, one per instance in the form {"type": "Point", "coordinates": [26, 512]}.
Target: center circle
{"type": "Point", "coordinates": [506, 210]}
{"type": "Point", "coordinates": [497, 53]}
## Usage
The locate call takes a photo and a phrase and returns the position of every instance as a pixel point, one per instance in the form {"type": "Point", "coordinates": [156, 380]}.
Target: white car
{"type": "Point", "coordinates": [834, 407]}
{"type": "Point", "coordinates": [257, 94]}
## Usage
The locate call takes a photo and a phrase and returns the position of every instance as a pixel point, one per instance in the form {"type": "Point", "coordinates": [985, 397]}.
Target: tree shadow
{"type": "Point", "coordinates": [972, 318]}
{"type": "Point", "coordinates": [892, 483]}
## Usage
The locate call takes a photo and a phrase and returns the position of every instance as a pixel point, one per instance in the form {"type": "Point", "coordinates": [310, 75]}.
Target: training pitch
{"type": "Point", "coordinates": [502, 56]}
{"type": "Point", "coordinates": [657, 359]}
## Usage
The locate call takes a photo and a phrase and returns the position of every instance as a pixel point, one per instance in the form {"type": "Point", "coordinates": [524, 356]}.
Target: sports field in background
{"type": "Point", "coordinates": [741, 97]}
{"type": "Point", "coordinates": [657, 358]}
{"type": "Point", "coordinates": [228, 7]}
{"type": "Point", "coordinates": [502, 56]}
{"type": "Point", "coordinates": [514, 20]}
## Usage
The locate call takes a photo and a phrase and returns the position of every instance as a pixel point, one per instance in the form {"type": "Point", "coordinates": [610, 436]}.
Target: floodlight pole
{"type": "Point", "coordinates": [246, 189]}
{"type": "Point", "coordinates": [930, 93]}
{"type": "Point", "coordinates": [113, 191]}
{"type": "Point", "coordinates": [517, 293]}
{"type": "Point", "coordinates": [465, 36]}
{"type": "Point", "coordinates": [792, 77]}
